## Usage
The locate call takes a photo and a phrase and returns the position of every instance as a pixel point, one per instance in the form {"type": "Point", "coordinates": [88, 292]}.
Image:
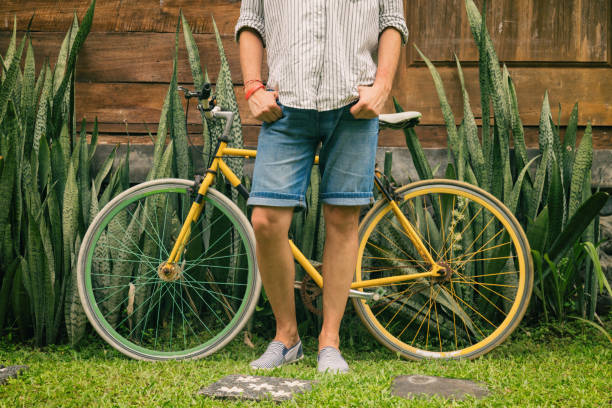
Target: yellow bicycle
{"type": "Point", "coordinates": [167, 269]}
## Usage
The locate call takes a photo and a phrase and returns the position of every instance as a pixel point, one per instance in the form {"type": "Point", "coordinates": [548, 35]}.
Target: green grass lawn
{"type": "Point", "coordinates": [552, 366]}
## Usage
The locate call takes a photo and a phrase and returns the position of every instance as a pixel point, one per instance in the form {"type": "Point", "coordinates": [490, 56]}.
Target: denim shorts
{"type": "Point", "coordinates": [286, 149]}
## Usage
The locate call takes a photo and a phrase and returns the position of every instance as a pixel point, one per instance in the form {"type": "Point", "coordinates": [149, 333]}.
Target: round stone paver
{"type": "Point", "coordinates": [411, 386]}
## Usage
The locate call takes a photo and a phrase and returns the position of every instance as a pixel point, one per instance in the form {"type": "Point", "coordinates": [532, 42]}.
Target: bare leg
{"type": "Point", "coordinates": [276, 267]}
{"type": "Point", "coordinates": [339, 262]}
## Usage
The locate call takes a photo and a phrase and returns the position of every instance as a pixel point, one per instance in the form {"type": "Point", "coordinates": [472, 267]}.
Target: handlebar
{"type": "Point", "coordinates": [212, 111]}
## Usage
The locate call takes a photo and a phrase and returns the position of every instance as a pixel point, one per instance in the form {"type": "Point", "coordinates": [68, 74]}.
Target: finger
{"type": "Point", "coordinates": [356, 109]}
{"type": "Point", "coordinates": [270, 117]}
{"type": "Point", "coordinates": [276, 112]}
{"type": "Point", "coordinates": [275, 94]}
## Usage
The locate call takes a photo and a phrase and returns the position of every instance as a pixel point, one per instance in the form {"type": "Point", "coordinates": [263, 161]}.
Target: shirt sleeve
{"type": "Point", "coordinates": [251, 16]}
{"type": "Point", "coordinates": [391, 14]}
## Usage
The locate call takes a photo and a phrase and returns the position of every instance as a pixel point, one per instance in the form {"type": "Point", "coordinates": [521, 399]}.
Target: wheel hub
{"type": "Point", "coordinates": [169, 272]}
{"type": "Point", "coordinates": [446, 272]}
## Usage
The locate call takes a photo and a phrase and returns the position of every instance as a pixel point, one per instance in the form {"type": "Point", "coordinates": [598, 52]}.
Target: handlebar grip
{"type": "Point", "coordinates": [205, 93]}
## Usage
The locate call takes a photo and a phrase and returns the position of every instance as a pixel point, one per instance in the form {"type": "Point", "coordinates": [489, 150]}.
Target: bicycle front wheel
{"type": "Point", "coordinates": [140, 308]}
{"type": "Point", "coordinates": [487, 281]}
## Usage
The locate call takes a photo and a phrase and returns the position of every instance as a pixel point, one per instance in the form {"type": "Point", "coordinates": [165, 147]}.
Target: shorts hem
{"type": "Point", "coordinates": [347, 198]}
{"type": "Point", "coordinates": [276, 200]}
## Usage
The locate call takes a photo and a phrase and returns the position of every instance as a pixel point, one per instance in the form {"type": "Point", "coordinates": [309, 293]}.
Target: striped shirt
{"type": "Point", "coordinates": [320, 51]}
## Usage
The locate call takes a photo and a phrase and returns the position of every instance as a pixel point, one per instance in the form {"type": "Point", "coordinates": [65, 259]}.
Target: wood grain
{"type": "Point", "coordinates": [135, 57]}
{"type": "Point", "coordinates": [429, 136]}
{"type": "Point", "coordinates": [570, 31]}
{"type": "Point", "coordinates": [122, 15]}
{"type": "Point", "coordinates": [141, 102]}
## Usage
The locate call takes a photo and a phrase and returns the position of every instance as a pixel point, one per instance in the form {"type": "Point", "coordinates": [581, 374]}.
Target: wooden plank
{"type": "Point", "coordinates": [122, 15]}
{"type": "Point", "coordinates": [141, 103]}
{"type": "Point", "coordinates": [429, 136]}
{"type": "Point", "coordinates": [576, 31]}
{"type": "Point", "coordinates": [591, 87]}
{"type": "Point", "coordinates": [135, 57]}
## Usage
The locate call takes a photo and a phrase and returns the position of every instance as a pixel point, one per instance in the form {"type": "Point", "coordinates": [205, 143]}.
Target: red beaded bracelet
{"type": "Point", "coordinates": [252, 80]}
{"type": "Point", "coordinates": [253, 90]}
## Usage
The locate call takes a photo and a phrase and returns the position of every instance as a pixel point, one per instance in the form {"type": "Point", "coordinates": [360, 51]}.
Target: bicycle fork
{"type": "Point", "coordinates": [169, 268]}
{"type": "Point", "coordinates": [412, 235]}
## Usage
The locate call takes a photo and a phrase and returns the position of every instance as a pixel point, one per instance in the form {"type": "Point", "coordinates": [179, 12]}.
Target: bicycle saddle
{"type": "Point", "coordinates": [398, 120]}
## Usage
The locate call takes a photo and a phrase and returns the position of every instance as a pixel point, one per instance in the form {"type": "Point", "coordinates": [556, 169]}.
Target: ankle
{"type": "Point", "coordinates": [327, 340]}
{"type": "Point", "coordinates": [288, 339]}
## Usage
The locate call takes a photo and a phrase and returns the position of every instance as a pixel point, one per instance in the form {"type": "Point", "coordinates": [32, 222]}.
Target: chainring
{"type": "Point", "coordinates": [310, 292]}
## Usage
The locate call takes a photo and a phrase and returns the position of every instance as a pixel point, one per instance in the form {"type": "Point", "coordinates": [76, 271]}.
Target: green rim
{"type": "Point", "coordinates": [124, 342]}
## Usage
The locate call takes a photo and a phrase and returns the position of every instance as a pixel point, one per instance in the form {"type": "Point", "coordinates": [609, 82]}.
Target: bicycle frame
{"type": "Point", "coordinates": [218, 164]}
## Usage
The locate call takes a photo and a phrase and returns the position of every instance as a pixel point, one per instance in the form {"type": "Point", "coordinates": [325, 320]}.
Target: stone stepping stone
{"type": "Point", "coordinates": [253, 387]}
{"type": "Point", "coordinates": [10, 372]}
{"type": "Point", "coordinates": [418, 386]}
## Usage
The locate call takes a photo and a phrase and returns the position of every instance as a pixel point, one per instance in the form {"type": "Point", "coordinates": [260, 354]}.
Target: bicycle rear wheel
{"type": "Point", "coordinates": [147, 313]}
{"type": "Point", "coordinates": [488, 272]}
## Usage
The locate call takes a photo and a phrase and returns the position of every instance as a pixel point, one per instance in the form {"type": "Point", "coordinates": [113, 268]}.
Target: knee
{"type": "Point", "coordinates": [271, 222]}
{"type": "Point", "coordinates": [342, 219]}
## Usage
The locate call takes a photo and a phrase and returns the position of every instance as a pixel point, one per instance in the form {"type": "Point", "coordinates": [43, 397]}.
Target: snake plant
{"type": "Point", "coordinates": [552, 199]}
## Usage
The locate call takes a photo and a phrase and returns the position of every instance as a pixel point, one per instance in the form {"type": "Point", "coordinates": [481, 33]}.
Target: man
{"type": "Point", "coordinates": [331, 68]}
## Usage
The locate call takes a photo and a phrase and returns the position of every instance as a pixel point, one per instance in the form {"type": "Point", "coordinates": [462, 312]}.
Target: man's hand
{"type": "Point", "coordinates": [372, 98]}
{"type": "Point", "coordinates": [264, 107]}
{"type": "Point", "coordinates": [371, 101]}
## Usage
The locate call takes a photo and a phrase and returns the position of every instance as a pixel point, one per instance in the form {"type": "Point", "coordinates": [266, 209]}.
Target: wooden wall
{"type": "Point", "coordinates": [563, 46]}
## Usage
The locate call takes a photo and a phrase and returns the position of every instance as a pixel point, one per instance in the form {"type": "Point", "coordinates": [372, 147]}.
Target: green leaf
{"type": "Point", "coordinates": [60, 66]}
{"type": "Point", "coordinates": [28, 96]}
{"type": "Point", "coordinates": [520, 149]}
{"type": "Point", "coordinates": [497, 87]}
{"type": "Point", "coordinates": [471, 133]}
{"type": "Point", "coordinates": [595, 325]}
{"type": "Point", "coordinates": [8, 85]}
{"type": "Point", "coordinates": [10, 51]}
{"type": "Point", "coordinates": [77, 44]}
{"type": "Point", "coordinates": [310, 223]}
{"type": "Point", "coordinates": [70, 216]}
{"type": "Point", "coordinates": [539, 183]}
{"type": "Point", "coordinates": [447, 113]}
{"type": "Point", "coordinates": [226, 98]}
{"type": "Point", "coordinates": [5, 290]}
{"type": "Point", "coordinates": [193, 54]}
{"type": "Point", "coordinates": [576, 225]}
{"type": "Point", "coordinates": [601, 277]}
{"type": "Point", "coordinates": [49, 281]}
{"type": "Point", "coordinates": [7, 183]}
{"type": "Point", "coordinates": [582, 167]}
{"type": "Point", "coordinates": [537, 231]}
{"type": "Point", "coordinates": [569, 148]}
{"type": "Point", "coordinates": [556, 201]}
{"type": "Point", "coordinates": [416, 150]}
{"type": "Point", "coordinates": [105, 169]}
{"type": "Point", "coordinates": [160, 141]}
{"type": "Point", "coordinates": [198, 78]}
{"type": "Point", "coordinates": [165, 165]}
{"type": "Point", "coordinates": [94, 141]}
{"type": "Point", "coordinates": [76, 319]}
{"type": "Point", "coordinates": [35, 274]}
{"type": "Point", "coordinates": [178, 132]}
{"type": "Point", "coordinates": [83, 176]}
{"type": "Point", "coordinates": [59, 168]}
{"type": "Point", "coordinates": [518, 186]}
{"type": "Point", "coordinates": [44, 163]}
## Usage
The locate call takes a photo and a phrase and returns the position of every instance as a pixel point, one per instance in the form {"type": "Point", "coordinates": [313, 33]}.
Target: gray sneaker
{"type": "Point", "coordinates": [277, 355]}
{"type": "Point", "coordinates": [330, 360]}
